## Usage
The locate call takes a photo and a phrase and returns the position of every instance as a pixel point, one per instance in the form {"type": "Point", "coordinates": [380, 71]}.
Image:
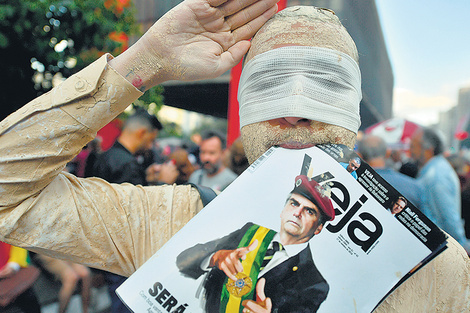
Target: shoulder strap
{"type": "Point", "coordinates": [206, 193]}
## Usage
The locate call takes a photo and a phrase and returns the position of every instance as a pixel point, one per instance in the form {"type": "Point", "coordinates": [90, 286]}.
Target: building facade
{"type": "Point", "coordinates": [456, 121]}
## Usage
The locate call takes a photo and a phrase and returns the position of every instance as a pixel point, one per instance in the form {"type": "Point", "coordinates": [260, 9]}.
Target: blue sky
{"type": "Point", "coordinates": [428, 42]}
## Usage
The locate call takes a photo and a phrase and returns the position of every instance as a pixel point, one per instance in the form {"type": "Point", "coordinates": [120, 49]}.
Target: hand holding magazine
{"type": "Point", "coordinates": [312, 230]}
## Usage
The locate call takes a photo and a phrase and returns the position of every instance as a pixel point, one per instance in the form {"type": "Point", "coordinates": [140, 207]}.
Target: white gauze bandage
{"type": "Point", "coordinates": [297, 81]}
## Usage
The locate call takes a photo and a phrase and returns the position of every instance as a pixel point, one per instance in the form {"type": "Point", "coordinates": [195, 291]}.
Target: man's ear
{"type": "Point", "coordinates": [429, 153]}
{"type": "Point", "coordinates": [318, 230]}
{"type": "Point", "coordinates": [388, 153]}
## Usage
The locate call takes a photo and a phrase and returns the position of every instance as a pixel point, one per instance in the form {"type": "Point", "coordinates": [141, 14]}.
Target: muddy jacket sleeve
{"type": "Point", "coordinates": [103, 225]}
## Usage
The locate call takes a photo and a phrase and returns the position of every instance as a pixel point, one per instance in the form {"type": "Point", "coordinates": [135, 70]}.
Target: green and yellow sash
{"type": "Point", "coordinates": [231, 301]}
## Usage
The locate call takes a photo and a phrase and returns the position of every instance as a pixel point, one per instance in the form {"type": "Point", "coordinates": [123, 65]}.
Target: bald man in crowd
{"type": "Point", "coordinates": [441, 184]}
{"type": "Point", "coordinates": [373, 150]}
{"type": "Point", "coordinates": [118, 227]}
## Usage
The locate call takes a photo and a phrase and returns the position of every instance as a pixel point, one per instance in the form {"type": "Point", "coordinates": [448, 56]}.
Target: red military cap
{"type": "Point", "coordinates": [314, 192]}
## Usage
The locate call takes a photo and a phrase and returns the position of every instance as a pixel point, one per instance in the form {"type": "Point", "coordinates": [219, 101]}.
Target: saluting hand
{"type": "Point", "coordinates": [198, 39]}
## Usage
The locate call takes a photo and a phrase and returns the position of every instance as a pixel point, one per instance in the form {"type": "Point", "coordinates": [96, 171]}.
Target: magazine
{"type": "Point", "coordinates": [344, 253]}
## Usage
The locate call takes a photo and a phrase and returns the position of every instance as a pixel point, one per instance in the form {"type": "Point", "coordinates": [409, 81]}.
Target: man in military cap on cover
{"type": "Point", "coordinates": [274, 262]}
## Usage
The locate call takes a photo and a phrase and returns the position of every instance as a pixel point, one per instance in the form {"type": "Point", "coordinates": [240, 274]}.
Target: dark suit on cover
{"type": "Point", "coordinates": [295, 285]}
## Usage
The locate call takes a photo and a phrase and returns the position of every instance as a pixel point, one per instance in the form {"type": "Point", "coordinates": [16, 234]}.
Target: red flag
{"type": "Point", "coordinates": [233, 120]}
{"type": "Point", "coordinates": [461, 135]}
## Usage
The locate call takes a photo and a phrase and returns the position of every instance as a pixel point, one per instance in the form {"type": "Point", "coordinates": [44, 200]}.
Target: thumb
{"type": "Point", "coordinates": [233, 56]}
{"type": "Point", "coordinates": [260, 296]}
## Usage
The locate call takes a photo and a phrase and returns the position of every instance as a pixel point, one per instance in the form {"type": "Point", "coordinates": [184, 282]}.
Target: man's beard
{"type": "Point", "coordinates": [211, 168]}
{"type": "Point", "coordinates": [259, 137]}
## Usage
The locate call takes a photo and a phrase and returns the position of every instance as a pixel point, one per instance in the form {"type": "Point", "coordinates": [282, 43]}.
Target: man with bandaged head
{"type": "Point", "coordinates": [118, 227]}
{"type": "Point", "coordinates": [300, 86]}
{"type": "Point", "coordinates": [305, 82]}
{"type": "Point", "coordinates": [301, 83]}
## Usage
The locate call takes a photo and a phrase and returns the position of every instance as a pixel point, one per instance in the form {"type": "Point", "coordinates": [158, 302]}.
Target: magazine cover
{"type": "Point", "coordinates": [312, 230]}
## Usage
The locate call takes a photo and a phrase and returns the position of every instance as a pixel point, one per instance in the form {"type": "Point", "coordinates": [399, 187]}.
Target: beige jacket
{"type": "Point", "coordinates": [118, 227]}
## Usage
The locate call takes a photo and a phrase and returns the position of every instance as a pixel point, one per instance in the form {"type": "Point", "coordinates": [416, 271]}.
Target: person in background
{"type": "Point", "coordinates": [94, 150]}
{"type": "Point", "coordinates": [373, 150]}
{"type": "Point", "coordinates": [193, 148]}
{"type": "Point", "coordinates": [12, 259]}
{"type": "Point", "coordinates": [394, 159]}
{"type": "Point", "coordinates": [213, 173]}
{"type": "Point", "coordinates": [458, 164]}
{"type": "Point", "coordinates": [185, 168]}
{"type": "Point", "coordinates": [440, 182]}
{"type": "Point", "coordinates": [236, 158]}
{"type": "Point", "coordinates": [119, 164]}
{"type": "Point", "coordinates": [465, 196]}
{"type": "Point", "coordinates": [176, 168]}
{"type": "Point", "coordinates": [461, 166]}
{"type": "Point", "coordinates": [409, 168]}
{"type": "Point", "coordinates": [69, 274]}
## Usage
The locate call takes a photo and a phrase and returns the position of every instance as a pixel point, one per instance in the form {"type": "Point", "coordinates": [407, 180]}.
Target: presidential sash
{"type": "Point", "coordinates": [235, 292]}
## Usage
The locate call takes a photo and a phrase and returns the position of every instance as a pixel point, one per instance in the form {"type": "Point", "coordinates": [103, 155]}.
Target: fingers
{"type": "Point", "coordinates": [250, 306]}
{"type": "Point", "coordinates": [245, 30]}
{"type": "Point", "coordinates": [268, 304]}
{"type": "Point", "coordinates": [216, 3]}
{"type": "Point", "coordinates": [7, 272]}
{"type": "Point", "coordinates": [247, 8]}
{"type": "Point", "coordinates": [238, 18]}
{"type": "Point", "coordinates": [231, 264]}
{"type": "Point", "coordinates": [245, 17]}
{"type": "Point", "coordinates": [244, 251]}
{"type": "Point", "coordinates": [253, 245]}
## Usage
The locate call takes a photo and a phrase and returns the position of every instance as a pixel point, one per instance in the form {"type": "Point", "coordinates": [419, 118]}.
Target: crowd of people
{"type": "Point", "coordinates": [138, 156]}
{"type": "Point", "coordinates": [427, 174]}
{"type": "Point", "coordinates": [108, 222]}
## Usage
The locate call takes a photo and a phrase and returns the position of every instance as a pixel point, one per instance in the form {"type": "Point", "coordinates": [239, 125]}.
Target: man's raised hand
{"type": "Point", "coordinates": [198, 39]}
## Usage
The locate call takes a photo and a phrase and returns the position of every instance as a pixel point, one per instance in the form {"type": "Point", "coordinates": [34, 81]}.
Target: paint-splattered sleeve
{"type": "Point", "coordinates": [442, 285]}
{"type": "Point", "coordinates": [116, 227]}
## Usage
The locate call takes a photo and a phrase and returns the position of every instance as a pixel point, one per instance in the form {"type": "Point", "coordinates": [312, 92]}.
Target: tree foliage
{"type": "Point", "coordinates": [43, 42]}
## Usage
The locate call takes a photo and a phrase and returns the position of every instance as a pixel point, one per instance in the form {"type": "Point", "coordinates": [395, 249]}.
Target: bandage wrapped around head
{"type": "Point", "coordinates": [315, 83]}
